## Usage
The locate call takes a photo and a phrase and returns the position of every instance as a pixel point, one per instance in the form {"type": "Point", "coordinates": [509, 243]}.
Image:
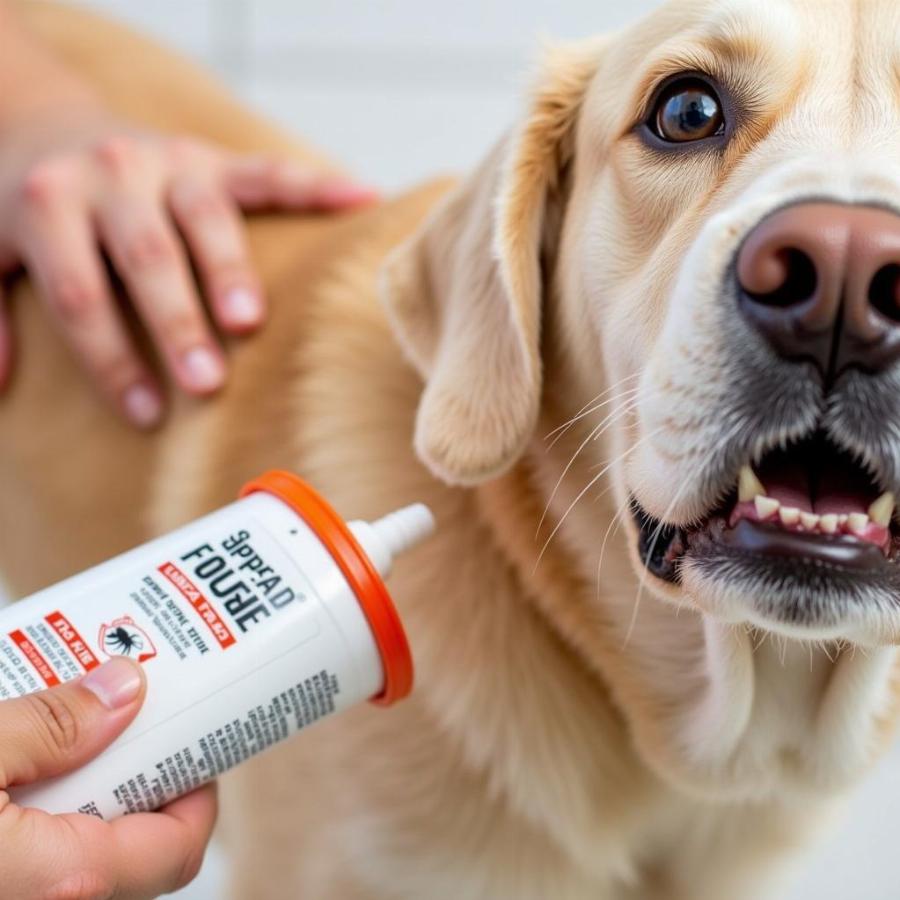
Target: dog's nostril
{"type": "Point", "coordinates": [884, 292]}
{"type": "Point", "coordinates": [786, 278]}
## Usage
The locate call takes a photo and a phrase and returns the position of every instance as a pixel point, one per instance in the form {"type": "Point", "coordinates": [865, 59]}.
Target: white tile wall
{"type": "Point", "coordinates": [403, 89]}
{"type": "Point", "coordinates": [397, 89]}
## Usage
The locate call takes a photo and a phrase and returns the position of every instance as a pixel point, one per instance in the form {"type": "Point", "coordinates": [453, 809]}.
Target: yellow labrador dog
{"type": "Point", "coordinates": [643, 364]}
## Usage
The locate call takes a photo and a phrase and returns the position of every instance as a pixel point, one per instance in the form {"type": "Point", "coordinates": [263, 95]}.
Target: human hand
{"type": "Point", "coordinates": [82, 857]}
{"type": "Point", "coordinates": [81, 187]}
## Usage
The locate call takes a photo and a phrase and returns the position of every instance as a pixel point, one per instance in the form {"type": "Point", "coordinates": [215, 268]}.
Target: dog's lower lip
{"type": "Point", "coordinates": [765, 540]}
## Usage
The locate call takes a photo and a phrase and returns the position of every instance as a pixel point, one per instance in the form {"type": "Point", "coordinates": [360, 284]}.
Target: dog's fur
{"type": "Point", "coordinates": [578, 729]}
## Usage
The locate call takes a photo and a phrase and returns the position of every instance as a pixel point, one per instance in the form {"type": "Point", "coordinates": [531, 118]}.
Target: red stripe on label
{"type": "Point", "coordinates": [73, 640]}
{"type": "Point", "coordinates": [192, 594]}
{"type": "Point", "coordinates": [30, 652]}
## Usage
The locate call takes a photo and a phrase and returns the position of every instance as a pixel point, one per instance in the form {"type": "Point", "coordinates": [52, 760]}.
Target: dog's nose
{"type": "Point", "coordinates": [821, 282]}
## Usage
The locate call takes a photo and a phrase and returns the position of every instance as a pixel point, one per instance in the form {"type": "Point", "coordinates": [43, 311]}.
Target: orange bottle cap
{"type": "Point", "coordinates": [360, 573]}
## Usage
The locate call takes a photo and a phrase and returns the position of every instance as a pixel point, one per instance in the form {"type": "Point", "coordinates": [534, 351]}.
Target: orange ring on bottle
{"type": "Point", "coordinates": [361, 575]}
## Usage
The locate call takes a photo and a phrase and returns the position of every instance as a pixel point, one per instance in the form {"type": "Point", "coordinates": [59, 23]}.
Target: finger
{"type": "Point", "coordinates": [163, 851]}
{"type": "Point", "coordinates": [6, 344]}
{"type": "Point", "coordinates": [137, 856]}
{"type": "Point", "coordinates": [54, 731]}
{"type": "Point", "coordinates": [62, 257]}
{"type": "Point", "coordinates": [147, 254]}
{"type": "Point", "coordinates": [212, 227]}
{"type": "Point", "coordinates": [260, 183]}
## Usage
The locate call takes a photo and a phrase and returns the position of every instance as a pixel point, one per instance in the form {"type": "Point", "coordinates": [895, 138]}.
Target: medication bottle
{"type": "Point", "coordinates": [251, 623]}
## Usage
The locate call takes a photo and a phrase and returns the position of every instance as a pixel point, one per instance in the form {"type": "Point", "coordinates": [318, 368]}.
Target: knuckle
{"type": "Point", "coordinates": [116, 154]}
{"type": "Point", "coordinates": [183, 149]}
{"type": "Point", "coordinates": [56, 723]}
{"type": "Point", "coordinates": [277, 171]}
{"type": "Point", "coordinates": [72, 297]}
{"type": "Point", "coordinates": [149, 248]}
{"type": "Point", "coordinates": [184, 328]}
{"type": "Point", "coordinates": [45, 181]}
{"type": "Point", "coordinates": [115, 370]}
{"type": "Point", "coordinates": [201, 203]}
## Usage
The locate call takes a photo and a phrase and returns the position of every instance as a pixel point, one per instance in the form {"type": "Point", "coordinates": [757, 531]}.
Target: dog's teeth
{"type": "Point", "coordinates": [882, 510]}
{"type": "Point", "coordinates": [749, 486]}
{"type": "Point", "coordinates": [766, 507]}
{"type": "Point", "coordinates": [842, 519]}
{"type": "Point", "coordinates": [857, 522]}
{"type": "Point", "coordinates": [789, 515]}
{"type": "Point", "coordinates": [829, 523]}
{"type": "Point", "coordinates": [809, 521]}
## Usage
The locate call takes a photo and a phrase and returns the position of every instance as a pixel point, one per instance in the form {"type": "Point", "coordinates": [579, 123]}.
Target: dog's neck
{"type": "Point", "coordinates": [721, 711]}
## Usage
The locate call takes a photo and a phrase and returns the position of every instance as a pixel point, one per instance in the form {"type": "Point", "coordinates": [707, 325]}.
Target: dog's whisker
{"type": "Point", "coordinates": [629, 394]}
{"type": "Point", "coordinates": [585, 489]}
{"type": "Point", "coordinates": [596, 432]}
{"type": "Point", "coordinates": [617, 520]}
{"type": "Point", "coordinates": [598, 429]}
{"type": "Point", "coordinates": [586, 410]}
{"type": "Point", "coordinates": [624, 411]}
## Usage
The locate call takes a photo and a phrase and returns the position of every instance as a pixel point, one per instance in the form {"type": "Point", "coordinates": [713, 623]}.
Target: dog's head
{"type": "Point", "coordinates": [700, 215]}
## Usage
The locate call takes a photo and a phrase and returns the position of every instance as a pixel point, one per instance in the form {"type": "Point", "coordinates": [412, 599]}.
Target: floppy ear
{"type": "Point", "coordinates": [464, 293]}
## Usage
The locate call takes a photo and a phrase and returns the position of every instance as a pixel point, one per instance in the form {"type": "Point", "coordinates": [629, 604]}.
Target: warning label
{"type": "Point", "coordinates": [232, 743]}
{"type": "Point", "coordinates": [192, 594]}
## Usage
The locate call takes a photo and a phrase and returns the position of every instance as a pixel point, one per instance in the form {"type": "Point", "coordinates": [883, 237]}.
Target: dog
{"type": "Point", "coordinates": [642, 364]}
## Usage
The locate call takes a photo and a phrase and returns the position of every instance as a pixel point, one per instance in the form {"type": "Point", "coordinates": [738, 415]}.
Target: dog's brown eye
{"type": "Point", "coordinates": [688, 111]}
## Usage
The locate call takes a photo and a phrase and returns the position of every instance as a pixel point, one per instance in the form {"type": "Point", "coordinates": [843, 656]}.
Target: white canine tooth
{"type": "Point", "coordinates": [749, 486]}
{"type": "Point", "coordinates": [789, 515]}
{"type": "Point", "coordinates": [857, 522]}
{"type": "Point", "coordinates": [766, 507]}
{"type": "Point", "coordinates": [882, 510]}
{"type": "Point", "coordinates": [842, 519]}
{"type": "Point", "coordinates": [810, 521]}
{"type": "Point", "coordinates": [829, 523]}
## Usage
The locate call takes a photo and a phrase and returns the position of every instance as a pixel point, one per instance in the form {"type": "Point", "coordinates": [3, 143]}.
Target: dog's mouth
{"type": "Point", "coordinates": [810, 506]}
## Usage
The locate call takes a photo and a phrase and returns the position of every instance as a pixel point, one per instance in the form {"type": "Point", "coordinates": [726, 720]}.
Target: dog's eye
{"type": "Point", "coordinates": [688, 111]}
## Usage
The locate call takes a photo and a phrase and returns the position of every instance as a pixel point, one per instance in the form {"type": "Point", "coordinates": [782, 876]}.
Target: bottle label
{"type": "Point", "coordinates": [239, 648]}
{"type": "Point", "coordinates": [193, 598]}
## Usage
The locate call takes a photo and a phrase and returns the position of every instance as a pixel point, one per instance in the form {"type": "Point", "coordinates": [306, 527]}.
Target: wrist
{"type": "Point", "coordinates": [34, 83]}
{"type": "Point", "coordinates": [64, 102]}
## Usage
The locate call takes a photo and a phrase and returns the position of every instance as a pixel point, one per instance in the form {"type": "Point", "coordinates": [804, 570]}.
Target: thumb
{"type": "Point", "coordinates": [51, 732]}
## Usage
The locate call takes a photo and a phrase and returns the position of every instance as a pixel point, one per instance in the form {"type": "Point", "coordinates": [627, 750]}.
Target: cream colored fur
{"type": "Point", "coordinates": [575, 732]}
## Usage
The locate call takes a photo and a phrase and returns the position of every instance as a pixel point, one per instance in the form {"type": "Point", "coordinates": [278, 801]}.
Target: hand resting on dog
{"type": "Point", "coordinates": [80, 188]}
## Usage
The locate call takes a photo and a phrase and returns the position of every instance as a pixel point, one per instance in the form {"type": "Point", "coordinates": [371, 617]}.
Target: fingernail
{"type": "Point", "coordinates": [115, 684]}
{"type": "Point", "coordinates": [241, 307]}
{"type": "Point", "coordinates": [203, 368]}
{"type": "Point", "coordinates": [142, 405]}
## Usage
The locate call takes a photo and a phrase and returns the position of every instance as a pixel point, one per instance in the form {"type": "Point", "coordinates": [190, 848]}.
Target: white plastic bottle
{"type": "Point", "coordinates": [251, 623]}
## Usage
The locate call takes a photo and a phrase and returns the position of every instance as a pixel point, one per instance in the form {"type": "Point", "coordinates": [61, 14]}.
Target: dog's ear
{"type": "Point", "coordinates": [464, 293]}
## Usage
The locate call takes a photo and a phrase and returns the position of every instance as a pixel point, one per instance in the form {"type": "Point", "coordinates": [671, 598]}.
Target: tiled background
{"type": "Point", "coordinates": [403, 89]}
{"type": "Point", "coordinates": [398, 89]}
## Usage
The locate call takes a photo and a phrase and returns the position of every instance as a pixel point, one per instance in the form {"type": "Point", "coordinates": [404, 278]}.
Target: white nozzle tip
{"type": "Point", "coordinates": [405, 528]}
